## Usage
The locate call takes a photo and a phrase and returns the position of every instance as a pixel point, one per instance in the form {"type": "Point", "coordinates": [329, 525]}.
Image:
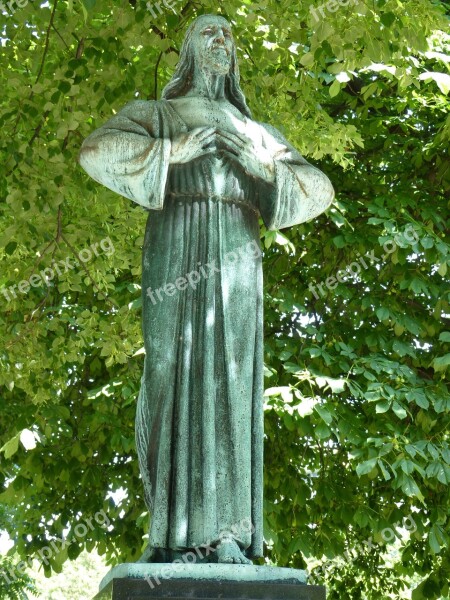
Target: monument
{"type": "Point", "coordinates": [205, 171]}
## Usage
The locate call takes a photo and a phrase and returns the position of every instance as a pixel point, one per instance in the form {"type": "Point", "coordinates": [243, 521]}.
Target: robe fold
{"type": "Point", "coordinates": [199, 422]}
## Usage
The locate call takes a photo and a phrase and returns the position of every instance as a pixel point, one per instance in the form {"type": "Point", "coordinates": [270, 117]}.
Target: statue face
{"type": "Point", "coordinates": [213, 44]}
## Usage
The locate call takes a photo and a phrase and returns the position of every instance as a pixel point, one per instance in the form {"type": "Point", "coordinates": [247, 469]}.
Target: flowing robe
{"type": "Point", "coordinates": [199, 423]}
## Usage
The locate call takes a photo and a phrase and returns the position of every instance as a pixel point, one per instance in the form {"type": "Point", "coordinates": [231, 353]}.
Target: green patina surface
{"type": "Point", "coordinates": [207, 172]}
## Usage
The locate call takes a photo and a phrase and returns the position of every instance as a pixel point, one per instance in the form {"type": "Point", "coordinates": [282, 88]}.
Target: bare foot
{"type": "Point", "coordinates": [229, 552]}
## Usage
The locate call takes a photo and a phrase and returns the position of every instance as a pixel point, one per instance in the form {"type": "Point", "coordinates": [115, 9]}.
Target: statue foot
{"type": "Point", "coordinates": [229, 552]}
{"type": "Point", "coordinates": [147, 555]}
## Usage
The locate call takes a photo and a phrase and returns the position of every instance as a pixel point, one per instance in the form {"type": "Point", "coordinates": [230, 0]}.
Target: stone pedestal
{"type": "Point", "coordinates": [178, 581]}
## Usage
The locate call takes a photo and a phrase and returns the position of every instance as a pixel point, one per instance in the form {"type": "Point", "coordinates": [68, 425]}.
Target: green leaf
{"type": "Point", "coordinates": [322, 431]}
{"type": "Point", "coordinates": [387, 19]}
{"type": "Point", "coordinates": [11, 446]}
{"type": "Point", "coordinates": [324, 414]}
{"type": "Point", "coordinates": [409, 486]}
{"type": "Point", "coordinates": [429, 588]}
{"type": "Point", "coordinates": [434, 452]}
{"type": "Point", "coordinates": [289, 422]}
{"type": "Point", "coordinates": [384, 471]}
{"type": "Point", "coordinates": [366, 467]}
{"type": "Point", "coordinates": [442, 80]}
{"type": "Point", "coordinates": [443, 269]}
{"type": "Point", "coordinates": [10, 248]}
{"type": "Point", "coordinates": [399, 410]}
{"type": "Point", "coordinates": [433, 541]}
{"type": "Point", "coordinates": [339, 241]}
{"type": "Point", "coordinates": [362, 517]}
{"type": "Point", "coordinates": [418, 396]}
{"type": "Point", "coordinates": [307, 59]}
{"type": "Point", "coordinates": [407, 466]}
{"type": "Point", "coordinates": [441, 362]}
{"type": "Point", "coordinates": [336, 385]}
{"type": "Point", "coordinates": [335, 88]}
{"type": "Point", "coordinates": [382, 407]}
{"type": "Point", "coordinates": [432, 589]}
{"type": "Point", "coordinates": [437, 469]}
{"type": "Point", "coordinates": [89, 4]}
{"type": "Point", "coordinates": [382, 313]}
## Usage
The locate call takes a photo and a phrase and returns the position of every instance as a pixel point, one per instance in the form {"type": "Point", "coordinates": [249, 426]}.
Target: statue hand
{"type": "Point", "coordinates": [256, 161]}
{"type": "Point", "coordinates": [192, 145]}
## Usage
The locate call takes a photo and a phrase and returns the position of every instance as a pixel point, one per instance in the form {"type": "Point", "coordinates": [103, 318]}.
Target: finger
{"type": "Point", "coordinates": [205, 134]}
{"type": "Point", "coordinates": [240, 160]}
{"type": "Point", "coordinates": [236, 137]}
{"type": "Point", "coordinates": [201, 130]}
{"type": "Point", "coordinates": [232, 138]}
{"type": "Point", "coordinates": [209, 149]}
{"type": "Point", "coordinates": [223, 153]}
{"type": "Point", "coordinates": [229, 150]}
{"type": "Point", "coordinates": [209, 144]}
{"type": "Point", "coordinates": [209, 140]}
{"type": "Point", "coordinates": [229, 145]}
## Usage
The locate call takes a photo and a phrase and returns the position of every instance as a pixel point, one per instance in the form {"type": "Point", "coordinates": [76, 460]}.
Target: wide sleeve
{"type": "Point", "coordinates": [127, 156]}
{"type": "Point", "coordinates": [300, 191]}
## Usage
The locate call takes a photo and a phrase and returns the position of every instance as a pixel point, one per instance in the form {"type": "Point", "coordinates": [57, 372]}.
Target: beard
{"type": "Point", "coordinates": [218, 60]}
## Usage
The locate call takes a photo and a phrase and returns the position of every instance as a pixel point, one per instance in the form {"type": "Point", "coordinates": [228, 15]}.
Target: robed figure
{"type": "Point", "coordinates": [206, 172]}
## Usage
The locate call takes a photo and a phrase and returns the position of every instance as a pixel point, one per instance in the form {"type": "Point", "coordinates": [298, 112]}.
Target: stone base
{"type": "Point", "coordinates": [134, 581]}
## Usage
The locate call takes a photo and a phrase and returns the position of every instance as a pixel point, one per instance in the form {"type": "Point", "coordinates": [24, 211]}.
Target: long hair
{"type": "Point", "coordinates": [181, 81]}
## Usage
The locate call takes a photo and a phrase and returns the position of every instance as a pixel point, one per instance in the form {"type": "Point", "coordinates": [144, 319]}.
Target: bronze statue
{"type": "Point", "coordinates": [205, 171]}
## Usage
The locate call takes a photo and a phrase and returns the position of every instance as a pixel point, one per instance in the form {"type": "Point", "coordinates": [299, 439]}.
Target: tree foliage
{"type": "Point", "coordinates": [357, 405]}
{"type": "Point", "coordinates": [17, 587]}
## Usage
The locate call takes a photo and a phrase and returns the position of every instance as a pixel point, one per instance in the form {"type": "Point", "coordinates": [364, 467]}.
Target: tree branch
{"type": "Point", "coordinates": [47, 41]}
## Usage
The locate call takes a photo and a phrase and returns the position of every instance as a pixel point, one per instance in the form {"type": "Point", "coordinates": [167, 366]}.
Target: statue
{"type": "Point", "coordinates": [205, 171]}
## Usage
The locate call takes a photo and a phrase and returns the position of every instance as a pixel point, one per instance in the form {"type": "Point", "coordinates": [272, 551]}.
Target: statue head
{"type": "Point", "coordinates": [208, 45]}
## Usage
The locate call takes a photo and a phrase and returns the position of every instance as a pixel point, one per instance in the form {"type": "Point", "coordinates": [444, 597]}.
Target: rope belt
{"type": "Point", "coordinates": [202, 196]}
